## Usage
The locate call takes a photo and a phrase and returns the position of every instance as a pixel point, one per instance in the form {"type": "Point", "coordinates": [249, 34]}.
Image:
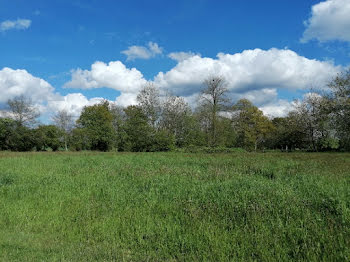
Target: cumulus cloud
{"type": "Point", "coordinates": [113, 75]}
{"type": "Point", "coordinates": [279, 108]}
{"type": "Point", "coordinates": [142, 52]}
{"type": "Point", "coordinates": [330, 20]}
{"type": "Point", "coordinates": [250, 70]}
{"type": "Point", "coordinates": [19, 24]}
{"type": "Point", "coordinates": [126, 99]}
{"type": "Point", "coordinates": [19, 82]}
{"type": "Point", "coordinates": [72, 103]}
{"type": "Point", "coordinates": [181, 56]}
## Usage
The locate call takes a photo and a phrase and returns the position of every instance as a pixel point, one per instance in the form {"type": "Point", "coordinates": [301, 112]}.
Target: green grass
{"type": "Point", "coordinates": [174, 207]}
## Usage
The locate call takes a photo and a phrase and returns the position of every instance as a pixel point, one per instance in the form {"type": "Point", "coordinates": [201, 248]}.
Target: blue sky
{"type": "Point", "coordinates": [52, 40]}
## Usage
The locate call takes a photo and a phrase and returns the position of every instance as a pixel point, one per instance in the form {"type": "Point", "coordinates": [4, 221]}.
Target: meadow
{"type": "Point", "coordinates": [174, 206]}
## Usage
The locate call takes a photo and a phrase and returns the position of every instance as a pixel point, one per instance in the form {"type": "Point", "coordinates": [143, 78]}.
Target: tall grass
{"type": "Point", "coordinates": [174, 207]}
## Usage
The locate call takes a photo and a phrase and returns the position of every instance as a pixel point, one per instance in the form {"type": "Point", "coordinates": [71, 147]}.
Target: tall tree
{"type": "Point", "coordinates": [251, 124]}
{"type": "Point", "coordinates": [149, 101]}
{"type": "Point", "coordinates": [23, 111]}
{"type": "Point", "coordinates": [119, 118]}
{"type": "Point", "coordinates": [64, 121]}
{"type": "Point", "coordinates": [314, 122]}
{"type": "Point", "coordinates": [174, 118]}
{"type": "Point", "coordinates": [7, 128]}
{"type": "Point", "coordinates": [213, 101]}
{"type": "Point", "coordinates": [140, 134]}
{"type": "Point", "coordinates": [339, 104]}
{"type": "Point", "coordinates": [97, 123]}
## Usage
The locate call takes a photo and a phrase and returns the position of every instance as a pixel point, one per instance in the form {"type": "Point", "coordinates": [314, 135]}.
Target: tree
{"type": "Point", "coordinates": [97, 123]}
{"type": "Point", "coordinates": [64, 121]}
{"type": "Point", "coordinates": [80, 139]}
{"type": "Point", "coordinates": [287, 133]}
{"type": "Point", "coordinates": [22, 138]}
{"type": "Point", "coordinates": [314, 121]}
{"type": "Point", "coordinates": [149, 101]}
{"type": "Point", "coordinates": [213, 101]}
{"type": "Point", "coordinates": [7, 128]}
{"type": "Point", "coordinates": [23, 111]}
{"type": "Point", "coordinates": [174, 118]}
{"type": "Point", "coordinates": [138, 130]}
{"type": "Point", "coordinates": [119, 118]}
{"type": "Point", "coordinates": [339, 107]}
{"type": "Point", "coordinates": [48, 136]}
{"type": "Point", "coordinates": [251, 125]}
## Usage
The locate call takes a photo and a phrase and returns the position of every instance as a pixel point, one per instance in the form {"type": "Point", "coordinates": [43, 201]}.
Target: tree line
{"type": "Point", "coordinates": [318, 122]}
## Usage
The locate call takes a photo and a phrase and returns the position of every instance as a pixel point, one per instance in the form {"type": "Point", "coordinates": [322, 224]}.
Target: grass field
{"type": "Point", "coordinates": [174, 207]}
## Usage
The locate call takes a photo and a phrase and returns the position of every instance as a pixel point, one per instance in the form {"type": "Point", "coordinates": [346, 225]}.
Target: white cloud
{"type": "Point", "coordinates": [19, 24]}
{"type": "Point", "coordinates": [181, 56]}
{"type": "Point", "coordinates": [330, 20]}
{"type": "Point", "coordinates": [126, 99]}
{"type": "Point", "coordinates": [142, 52]}
{"type": "Point", "coordinates": [72, 103]}
{"type": "Point", "coordinates": [279, 108]}
{"type": "Point", "coordinates": [19, 82]}
{"type": "Point", "coordinates": [113, 75]}
{"type": "Point", "coordinates": [250, 70]}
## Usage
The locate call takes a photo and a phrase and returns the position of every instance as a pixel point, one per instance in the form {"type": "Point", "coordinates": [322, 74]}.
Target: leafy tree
{"type": "Point", "coordinates": [175, 119]}
{"type": "Point", "coordinates": [23, 111]}
{"type": "Point", "coordinates": [162, 141]}
{"type": "Point", "coordinates": [119, 118]}
{"type": "Point", "coordinates": [15, 137]}
{"type": "Point", "coordinates": [64, 121]}
{"type": "Point", "coordinates": [139, 132]}
{"type": "Point", "coordinates": [22, 139]}
{"type": "Point", "coordinates": [314, 121]}
{"type": "Point", "coordinates": [48, 136]}
{"type": "Point", "coordinates": [287, 133]}
{"type": "Point", "coordinates": [228, 135]}
{"type": "Point", "coordinates": [149, 101]}
{"type": "Point", "coordinates": [7, 128]}
{"type": "Point", "coordinates": [339, 107]}
{"type": "Point", "coordinates": [194, 135]}
{"type": "Point", "coordinates": [97, 124]}
{"type": "Point", "coordinates": [251, 125]}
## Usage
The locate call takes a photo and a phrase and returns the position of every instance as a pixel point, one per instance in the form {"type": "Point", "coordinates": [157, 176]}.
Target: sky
{"type": "Point", "coordinates": [67, 54]}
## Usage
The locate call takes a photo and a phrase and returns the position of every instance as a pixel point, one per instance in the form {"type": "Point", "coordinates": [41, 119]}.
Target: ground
{"type": "Point", "coordinates": [174, 206]}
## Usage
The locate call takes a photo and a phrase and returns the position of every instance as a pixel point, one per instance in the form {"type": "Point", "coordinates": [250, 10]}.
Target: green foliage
{"type": "Point", "coordinates": [7, 127]}
{"type": "Point", "coordinates": [163, 141]}
{"type": "Point", "coordinates": [138, 130]}
{"type": "Point", "coordinates": [174, 207]}
{"type": "Point", "coordinates": [49, 136]}
{"type": "Point", "coordinates": [251, 125]}
{"type": "Point", "coordinates": [339, 107]}
{"type": "Point", "coordinates": [15, 137]}
{"type": "Point", "coordinates": [80, 139]}
{"type": "Point", "coordinates": [96, 123]}
{"type": "Point", "coordinates": [287, 133]}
